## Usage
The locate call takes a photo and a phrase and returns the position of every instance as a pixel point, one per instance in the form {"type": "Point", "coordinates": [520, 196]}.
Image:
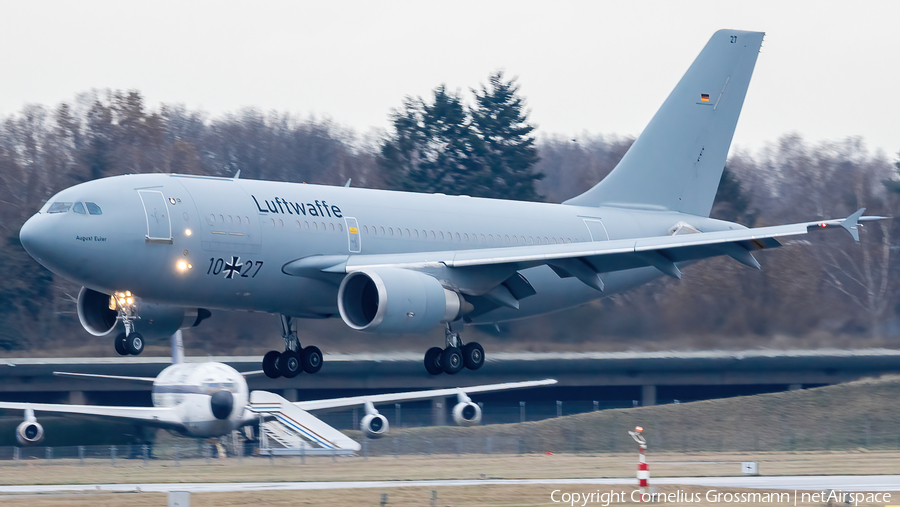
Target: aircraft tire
{"type": "Point", "coordinates": [290, 364]}
{"type": "Point", "coordinates": [120, 344]}
{"type": "Point", "coordinates": [270, 364]}
{"type": "Point", "coordinates": [473, 355]}
{"type": "Point", "coordinates": [312, 359]}
{"type": "Point", "coordinates": [452, 360]}
{"type": "Point", "coordinates": [433, 361]}
{"type": "Point", "coordinates": [134, 344]}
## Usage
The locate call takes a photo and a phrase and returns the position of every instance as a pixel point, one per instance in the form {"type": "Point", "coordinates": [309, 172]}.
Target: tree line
{"type": "Point", "coordinates": [820, 290]}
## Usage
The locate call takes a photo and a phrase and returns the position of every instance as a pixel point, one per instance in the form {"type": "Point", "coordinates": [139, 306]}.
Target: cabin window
{"type": "Point", "coordinates": [93, 209]}
{"type": "Point", "coordinates": [59, 207]}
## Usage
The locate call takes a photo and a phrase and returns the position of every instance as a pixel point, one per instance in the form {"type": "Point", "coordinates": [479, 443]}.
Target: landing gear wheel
{"type": "Point", "coordinates": [120, 344]}
{"type": "Point", "coordinates": [452, 360]}
{"type": "Point", "coordinates": [433, 361]}
{"type": "Point", "coordinates": [473, 355]}
{"type": "Point", "coordinates": [312, 359]}
{"type": "Point", "coordinates": [270, 364]}
{"type": "Point", "coordinates": [134, 343]}
{"type": "Point", "coordinates": [290, 364]}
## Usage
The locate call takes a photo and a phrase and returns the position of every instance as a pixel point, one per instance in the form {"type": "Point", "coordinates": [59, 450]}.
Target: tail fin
{"type": "Point", "coordinates": [177, 348]}
{"type": "Point", "coordinates": [677, 161]}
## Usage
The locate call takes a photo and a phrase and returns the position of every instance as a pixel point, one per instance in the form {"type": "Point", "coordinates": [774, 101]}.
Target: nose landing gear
{"type": "Point", "coordinates": [295, 358]}
{"type": "Point", "coordinates": [455, 356]}
{"type": "Point", "coordinates": [129, 342]}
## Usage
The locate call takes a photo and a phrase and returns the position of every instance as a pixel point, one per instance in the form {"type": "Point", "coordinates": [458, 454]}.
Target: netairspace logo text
{"type": "Point", "coordinates": [606, 498]}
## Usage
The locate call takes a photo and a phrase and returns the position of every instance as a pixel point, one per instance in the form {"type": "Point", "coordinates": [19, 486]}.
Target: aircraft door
{"type": "Point", "coordinates": [596, 229]}
{"type": "Point", "coordinates": [159, 224]}
{"type": "Point", "coordinates": [353, 238]}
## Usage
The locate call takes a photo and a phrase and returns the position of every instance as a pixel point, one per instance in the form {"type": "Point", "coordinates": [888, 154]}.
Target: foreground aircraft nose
{"type": "Point", "coordinates": [221, 403]}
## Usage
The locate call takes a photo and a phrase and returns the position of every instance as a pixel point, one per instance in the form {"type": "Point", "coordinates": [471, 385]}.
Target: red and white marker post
{"type": "Point", "coordinates": [643, 472]}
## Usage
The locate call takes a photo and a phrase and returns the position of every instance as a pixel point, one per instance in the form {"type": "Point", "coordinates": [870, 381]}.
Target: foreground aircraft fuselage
{"type": "Point", "coordinates": [157, 250]}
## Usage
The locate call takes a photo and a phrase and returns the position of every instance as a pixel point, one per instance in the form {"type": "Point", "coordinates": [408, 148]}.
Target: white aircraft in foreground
{"type": "Point", "coordinates": [206, 400]}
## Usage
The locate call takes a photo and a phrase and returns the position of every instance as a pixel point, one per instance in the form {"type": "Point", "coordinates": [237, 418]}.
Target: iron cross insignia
{"type": "Point", "coordinates": [233, 267]}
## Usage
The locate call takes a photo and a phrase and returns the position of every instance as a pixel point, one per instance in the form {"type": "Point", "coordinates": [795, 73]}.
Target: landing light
{"type": "Point", "coordinates": [182, 265]}
{"type": "Point", "coordinates": [187, 232]}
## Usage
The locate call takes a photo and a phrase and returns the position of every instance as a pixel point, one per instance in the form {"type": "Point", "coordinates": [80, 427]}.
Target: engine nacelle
{"type": "Point", "coordinates": [467, 414]}
{"type": "Point", "coordinates": [394, 300]}
{"type": "Point", "coordinates": [97, 318]}
{"type": "Point", "coordinates": [29, 433]}
{"type": "Point", "coordinates": [374, 425]}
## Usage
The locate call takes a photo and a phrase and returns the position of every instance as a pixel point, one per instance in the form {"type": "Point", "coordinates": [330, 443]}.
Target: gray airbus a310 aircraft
{"type": "Point", "coordinates": [155, 251]}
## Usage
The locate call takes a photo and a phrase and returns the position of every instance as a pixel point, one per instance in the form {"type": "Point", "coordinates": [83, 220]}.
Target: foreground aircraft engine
{"type": "Point", "coordinates": [99, 314]}
{"type": "Point", "coordinates": [29, 432]}
{"type": "Point", "coordinates": [393, 300]}
{"type": "Point", "coordinates": [466, 413]}
{"type": "Point", "coordinates": [373, 425]}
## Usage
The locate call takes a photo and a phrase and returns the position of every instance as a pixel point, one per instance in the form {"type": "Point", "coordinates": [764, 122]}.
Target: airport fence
{"type": "Point", "coordinates": [487, 440]}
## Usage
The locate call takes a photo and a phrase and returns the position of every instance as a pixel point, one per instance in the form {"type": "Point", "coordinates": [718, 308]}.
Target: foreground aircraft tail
{"type": "Point", "coordinates": [677, 161]}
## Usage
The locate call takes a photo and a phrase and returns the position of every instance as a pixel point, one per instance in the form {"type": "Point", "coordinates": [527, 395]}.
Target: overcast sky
{"type": "Point", "coordinates": [827, 70]}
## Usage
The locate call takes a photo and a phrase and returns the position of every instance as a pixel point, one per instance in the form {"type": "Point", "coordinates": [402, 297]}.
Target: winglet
{"type": "Point", "coordinates": [851, 223]}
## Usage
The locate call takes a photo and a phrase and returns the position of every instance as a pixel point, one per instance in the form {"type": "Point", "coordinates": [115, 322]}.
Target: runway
{"type": "Point", "coordinates": [867, 483]}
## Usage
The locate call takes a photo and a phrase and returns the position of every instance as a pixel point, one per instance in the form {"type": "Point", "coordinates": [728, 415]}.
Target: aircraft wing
{"type": "Point", "coordinates": [586, 260]}
{"type": "Point", "coordinates": [112, 377]}
{"type": "Point", "coordinates": [377, 399]}
{"type": "Point", "coordinates": [149, 416]}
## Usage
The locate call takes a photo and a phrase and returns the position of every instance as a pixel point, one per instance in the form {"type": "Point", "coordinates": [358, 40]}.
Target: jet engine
{"type": "Point", "coordinates": [394, 300]}
{"type": "Point", "coordinates": [98, 316]}
{"type": "Point", "coordinates": [29, 432]}
{"type": "Point", "coordinates": [467, 414]}
{"type": "Point", "coordinates": [374, 425]}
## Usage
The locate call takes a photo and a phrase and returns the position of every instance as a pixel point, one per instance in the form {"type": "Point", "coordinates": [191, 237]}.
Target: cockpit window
{"type": "Point", "coordinates": [59, 207]}
{"type": "Point", "coordinates": [212, 387]}
{"type": "Point", "coordinates": [93, 209]}
{"type": "Point", "coordinates": [78, 208]}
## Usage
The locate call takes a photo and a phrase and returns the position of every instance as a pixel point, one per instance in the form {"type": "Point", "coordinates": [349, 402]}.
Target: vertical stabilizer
{"type": "Point", "coordinates": [677, 161]}
{"type": "Point", "coordinates": [177, 348]}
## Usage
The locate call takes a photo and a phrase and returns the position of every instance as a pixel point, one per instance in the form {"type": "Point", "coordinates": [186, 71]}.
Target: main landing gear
{"type": "Point", "coordinates": [128, 342]}
{"type": "Point", "coordinates": [455, 356]}
{"type": "Point", "coordinates": [294, 359]}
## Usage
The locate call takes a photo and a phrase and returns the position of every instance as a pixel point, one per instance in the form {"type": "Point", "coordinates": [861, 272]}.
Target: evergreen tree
{"type": "Point", "coordinates": [507, 144]}
{"type": "Point", "coordinates": [442, 146]}
{"type": "Point", "coordinates": [433, 148]}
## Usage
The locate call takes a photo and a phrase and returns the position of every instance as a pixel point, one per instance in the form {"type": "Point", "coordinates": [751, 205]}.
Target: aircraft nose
{"type": "Point", "coordinates": [34, 237]}
{"type": "Point", "coordinates": [221, 403]}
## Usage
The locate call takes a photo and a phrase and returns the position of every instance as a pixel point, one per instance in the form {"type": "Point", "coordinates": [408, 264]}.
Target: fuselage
{"type": "Point", "coordinates": [221, 243]}
{"type": "Point", "coordinates": [189, 388]}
